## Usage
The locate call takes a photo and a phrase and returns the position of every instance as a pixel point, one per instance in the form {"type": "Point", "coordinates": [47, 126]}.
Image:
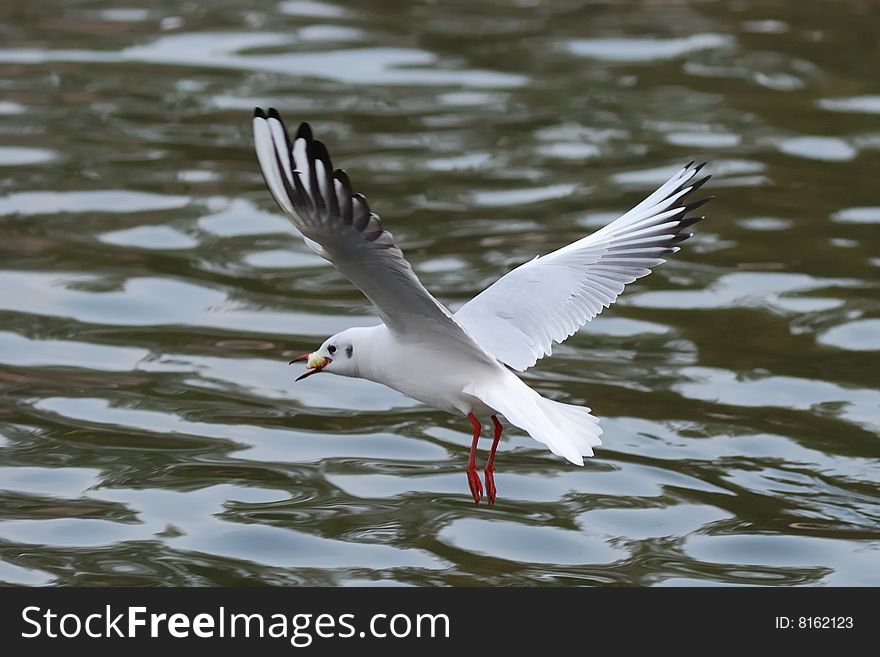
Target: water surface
{"type": "Point", "coordinates": [151, 295]}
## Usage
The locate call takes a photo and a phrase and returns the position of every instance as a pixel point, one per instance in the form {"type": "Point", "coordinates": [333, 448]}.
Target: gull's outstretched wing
{"type": "Point", "coordinates": [338, 225]}
{"type": "Point", "coordinates": [546, 300]}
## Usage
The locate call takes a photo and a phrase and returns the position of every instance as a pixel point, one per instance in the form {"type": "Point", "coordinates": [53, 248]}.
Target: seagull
{"type": "Point", "coordinates": [466, 362]}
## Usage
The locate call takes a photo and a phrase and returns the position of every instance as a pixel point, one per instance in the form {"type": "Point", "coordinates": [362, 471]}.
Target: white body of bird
{"type": "Point", "coordinates": [426, 369]}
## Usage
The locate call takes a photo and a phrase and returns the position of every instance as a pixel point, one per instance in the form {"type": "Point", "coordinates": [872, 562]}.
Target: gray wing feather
{"type": "Point", "coordinates": [338, 224]}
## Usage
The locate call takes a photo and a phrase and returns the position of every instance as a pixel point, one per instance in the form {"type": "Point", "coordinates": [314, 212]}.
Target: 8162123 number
{"type": "Point", "coordinates": [814, 622]}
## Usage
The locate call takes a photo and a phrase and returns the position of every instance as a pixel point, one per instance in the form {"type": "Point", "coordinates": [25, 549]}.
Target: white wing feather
{"type": "Point", "coordinates": [546, 300]}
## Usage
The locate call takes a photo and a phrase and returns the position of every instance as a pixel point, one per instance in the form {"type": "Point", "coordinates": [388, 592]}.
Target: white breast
{"type": "Point", "coordinates": [425, 372]}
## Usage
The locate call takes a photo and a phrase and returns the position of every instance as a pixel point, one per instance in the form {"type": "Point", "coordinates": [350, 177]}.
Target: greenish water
{"type": "Point", "coordinates": [151, 295]}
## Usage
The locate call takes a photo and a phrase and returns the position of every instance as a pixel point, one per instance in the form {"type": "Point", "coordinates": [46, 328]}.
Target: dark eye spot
{"type": "Point", "coordinates": [332, 349]}
{"type": "Point", "coordinates": [348, 350]}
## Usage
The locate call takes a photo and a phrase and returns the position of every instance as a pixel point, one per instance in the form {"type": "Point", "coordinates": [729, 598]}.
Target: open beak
{"type": "Point", "coordinates": [314, 364]}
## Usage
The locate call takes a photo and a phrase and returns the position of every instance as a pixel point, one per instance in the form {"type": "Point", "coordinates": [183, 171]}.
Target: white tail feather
{"type": "Point", "coordinates": [569, 431]}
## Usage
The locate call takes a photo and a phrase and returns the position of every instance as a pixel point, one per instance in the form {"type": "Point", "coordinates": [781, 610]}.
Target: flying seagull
{"type": "Point", "coordinates": [466, 362]}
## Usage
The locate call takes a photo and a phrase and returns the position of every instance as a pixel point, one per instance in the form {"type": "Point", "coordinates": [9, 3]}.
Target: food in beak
{"type": "Point", "coordinates": [314, 363]}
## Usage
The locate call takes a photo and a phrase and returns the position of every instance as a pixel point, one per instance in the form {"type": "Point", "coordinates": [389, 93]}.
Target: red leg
{"type": "Point", "coordinates": [490, 464]}
{"type": "Point", "coordinates": [471, 469]}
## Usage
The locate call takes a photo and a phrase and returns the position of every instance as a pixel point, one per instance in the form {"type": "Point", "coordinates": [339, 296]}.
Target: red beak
{"type": "Point", "coordinates": [307, 373]}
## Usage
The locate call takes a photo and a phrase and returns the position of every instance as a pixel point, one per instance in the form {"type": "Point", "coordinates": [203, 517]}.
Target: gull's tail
{"type": "Point", "coordinates": [569, 431]}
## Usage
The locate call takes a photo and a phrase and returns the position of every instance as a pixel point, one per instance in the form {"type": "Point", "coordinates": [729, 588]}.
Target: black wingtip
{"type": "Point", "coordinates": [690, 207]}
{"type": "Point", "coordinates": [317, 150]}
{"type": "Point", "coordinates": [259, 113]}
{"type": "Point", "coordinates": [304, 131]}
{"type": "Point", "coordinates": [681, 237]}
{"type": "Point", "coordinates": [342, 177]}
{"type": "Point", "coordinates": [690, 221]}
{"type": "Point", "coordinates": [702, 181]}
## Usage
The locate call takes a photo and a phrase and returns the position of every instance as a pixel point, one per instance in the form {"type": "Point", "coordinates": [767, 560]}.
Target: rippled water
{"type": "Point", "coordinates": [151, 295]}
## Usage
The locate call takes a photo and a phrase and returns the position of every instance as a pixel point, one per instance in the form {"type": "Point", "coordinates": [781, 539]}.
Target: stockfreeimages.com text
{"type": "Point", "coordinates": [300, 629]}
